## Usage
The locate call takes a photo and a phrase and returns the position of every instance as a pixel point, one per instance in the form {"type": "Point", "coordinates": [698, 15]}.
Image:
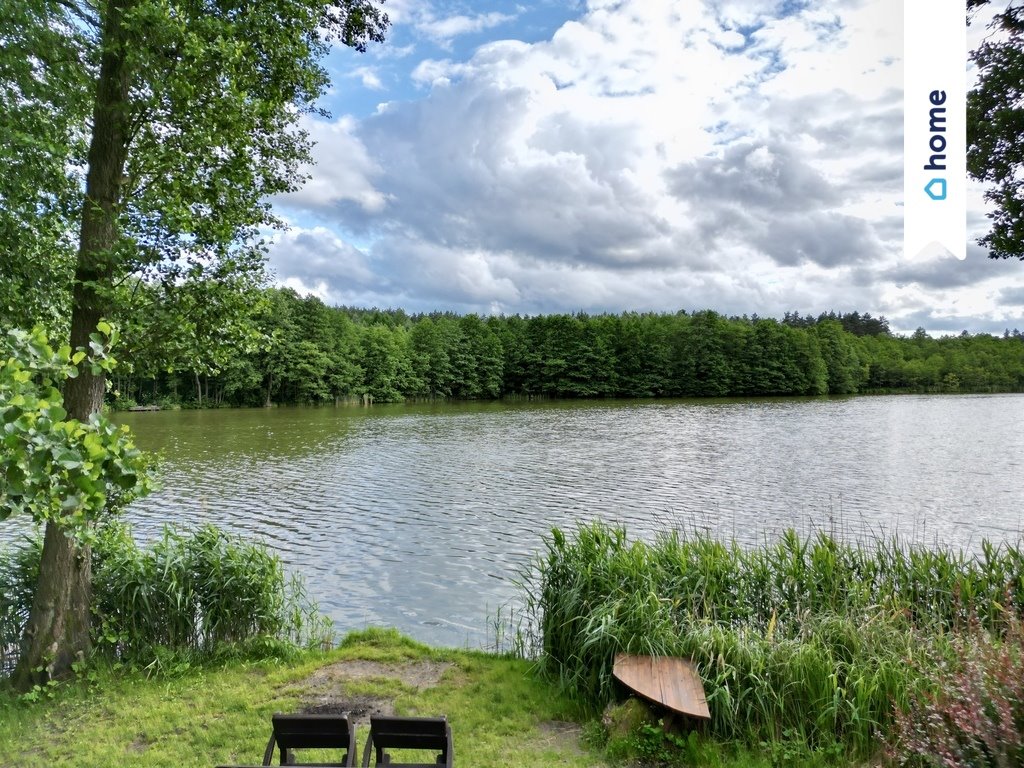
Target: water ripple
{"type": "Point", "coordinates": [420, 516]}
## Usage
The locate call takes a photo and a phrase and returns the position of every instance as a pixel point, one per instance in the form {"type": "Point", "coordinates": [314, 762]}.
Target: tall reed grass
{"type": "Point", "coordinates": [190, 595]}
{"type": "Point", "coordinates": [804, 634]}
{"type": "Point", "coordinates": [19, 572]}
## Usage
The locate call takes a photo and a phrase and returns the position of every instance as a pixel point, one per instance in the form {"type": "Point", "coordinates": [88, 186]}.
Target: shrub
{"type": "Point", "coordinates": [654, 745]}
{"type": "Point", "coordinates": [168, 403]}
{"type": "Point", "coordinates": [973, 714]}
{"type": "Point", "coordinates": [123, 403]}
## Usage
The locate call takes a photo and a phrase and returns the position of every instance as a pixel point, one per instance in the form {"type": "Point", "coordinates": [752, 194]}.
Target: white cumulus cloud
{"type": "Point", "coordinates": [743, 155]}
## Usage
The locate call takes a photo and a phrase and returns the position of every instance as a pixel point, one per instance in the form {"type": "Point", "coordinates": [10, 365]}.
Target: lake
{"type": "Point", "coordinates": [419, 516]}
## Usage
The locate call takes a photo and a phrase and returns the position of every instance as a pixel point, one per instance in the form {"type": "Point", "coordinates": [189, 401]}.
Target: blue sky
{"type": "Point", "coordinates": [738, 155]}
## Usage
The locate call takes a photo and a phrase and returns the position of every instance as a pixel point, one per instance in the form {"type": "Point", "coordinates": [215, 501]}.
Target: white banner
{"type": "Point", "coordinates": [934, 128]}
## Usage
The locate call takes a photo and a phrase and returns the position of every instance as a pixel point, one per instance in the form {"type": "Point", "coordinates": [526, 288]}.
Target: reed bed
{"type": "Point", "coordinates": [802, 634]}
{"type": "Point", "coordinates": [196, 593]}
{"type": "Point", "coordinates": [19, 572]}
{"type": "Point", "coordinates": [183, 596]}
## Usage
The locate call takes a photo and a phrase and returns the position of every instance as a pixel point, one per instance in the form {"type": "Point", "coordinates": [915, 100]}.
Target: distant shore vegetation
{"type": "Point", "coordinates": [304, 352]}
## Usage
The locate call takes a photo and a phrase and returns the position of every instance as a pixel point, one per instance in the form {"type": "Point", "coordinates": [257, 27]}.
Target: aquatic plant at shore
{"type": "Point", "coordinates": [802, 634]}
{"type": "Point", "coordinates": [19, 574]}
{"type": "Point", "coordinates": [183, 596]}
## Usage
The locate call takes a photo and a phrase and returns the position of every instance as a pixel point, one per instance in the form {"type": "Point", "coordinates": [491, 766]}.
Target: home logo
{"type": "Point", "coordinates": [934, 129]}
{"type": "Point", "coordinates": [936, 189]}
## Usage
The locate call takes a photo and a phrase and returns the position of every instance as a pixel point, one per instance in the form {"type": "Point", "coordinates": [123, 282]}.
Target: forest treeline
{"type": "Point", "coordinates": [307, 352]}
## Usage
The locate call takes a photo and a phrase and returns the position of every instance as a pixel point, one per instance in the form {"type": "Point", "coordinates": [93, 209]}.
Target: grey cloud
{"type": "Point", "coordinates": [609, 149]}
{"type": "Point", "coordinates": [741, 178]}
{"type": "Point", "coordinates": [864, 277]}
{"type": "Point", "coordinates": [978, 222]}
{"type": "Point", "coordinates": [448, 275]}
{"type": "Point", "coordinates": [879, 178]}
{"type": "Point", "coordinates": [358, 220]}
{"type": "Point", "coordinates": [842, 123]}
{"type": "Point", "coordinates": [343, 173]}
{"type": "Point", "coordinates": [938, 324]}
{"type": "Point", "coordinates": [890, 228]}
{"type": "Point", "coordinates": [949, 272]}
{"type": "Point", "coordinates": [866, 133]}
{"type": "Point", "coordinates": [767, 196]}
{"type": "Point", "coordinates": [1014, 296]}
{"type": "Point", "coordinates": [838, 290]}
{"type": "Point", "coordinates": [824, 238]}
{"type": "Point", "coordinates": [317, 255]}
{"type": "Point", "coordinates": [484, 197]}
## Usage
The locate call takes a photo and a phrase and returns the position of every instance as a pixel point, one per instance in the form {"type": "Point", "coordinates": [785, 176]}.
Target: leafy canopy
{"type": "Point", "coordinates": [995, 129]}
{"type": "Point", "coordinates": [212, 92]}
{"type": "Point", "coordinates": [45, 68]}
{"type": "Point", "coordinates": [55, 468]}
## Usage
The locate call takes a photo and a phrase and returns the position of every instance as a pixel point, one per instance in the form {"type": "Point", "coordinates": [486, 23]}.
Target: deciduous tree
{"type": "Point", "coordinates": [190, 111]}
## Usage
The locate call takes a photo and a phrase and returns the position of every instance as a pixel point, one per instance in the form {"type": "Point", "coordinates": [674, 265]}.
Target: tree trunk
{"type": "Point", "coordinates": [58, 627]}
{"type": "Point", "coordinates": [58, 630]}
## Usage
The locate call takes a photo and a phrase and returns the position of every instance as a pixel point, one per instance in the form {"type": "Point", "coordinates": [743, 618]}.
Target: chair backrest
{"type": "Point", "coordinates": [432, 733]}
{"type": "Point", "coordinates": [311, 732]}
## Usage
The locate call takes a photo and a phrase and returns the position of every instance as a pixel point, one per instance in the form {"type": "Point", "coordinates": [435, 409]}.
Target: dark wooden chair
{"type": "Point", "coordinates": [311, 732]}
{"type": "Point", "coordinates": [293, 732]}
{"type": "Point", "coordinates": [428, 733]}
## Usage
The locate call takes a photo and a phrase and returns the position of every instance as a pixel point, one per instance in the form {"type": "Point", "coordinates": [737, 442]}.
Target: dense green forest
{"type": "Point", "coordinates": [306, 352]}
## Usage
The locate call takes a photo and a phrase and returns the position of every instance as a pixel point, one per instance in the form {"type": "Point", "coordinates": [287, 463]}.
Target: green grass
{"type": "Point", "coordinates": [502, 714]}
{"type": "Point", "coordinates": [222, 715]}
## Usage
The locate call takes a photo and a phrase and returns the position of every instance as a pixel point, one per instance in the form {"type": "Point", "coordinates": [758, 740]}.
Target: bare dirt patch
{"type": "Point", "coordinates": [360, 708]}
{"type": "Point", "coordinates": [415, 674]}
{"type": "Point", "coordinates": [325, 689]}
{"type": "Point", "coordinates": [561, 735]}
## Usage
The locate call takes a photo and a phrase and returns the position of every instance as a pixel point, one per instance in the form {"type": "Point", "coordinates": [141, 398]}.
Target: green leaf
{"type": "Point", "coordinates": [56, 413]}
{"type": "Point", "coordinates": [49, 462]}
{"type": "Point", "coordinates": [70, 460]}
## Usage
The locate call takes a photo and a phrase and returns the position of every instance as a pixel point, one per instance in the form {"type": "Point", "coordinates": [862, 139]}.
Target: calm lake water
{"type": "Point", "coordinates": [419, 516]}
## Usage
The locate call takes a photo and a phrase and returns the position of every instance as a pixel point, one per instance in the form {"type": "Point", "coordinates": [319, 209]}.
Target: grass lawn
{"type": "Point", "coordinates": [501, 714]}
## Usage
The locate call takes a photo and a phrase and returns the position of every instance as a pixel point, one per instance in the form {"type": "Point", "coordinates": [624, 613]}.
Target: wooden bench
{"type": "Point", "coordinates": [426, 733]}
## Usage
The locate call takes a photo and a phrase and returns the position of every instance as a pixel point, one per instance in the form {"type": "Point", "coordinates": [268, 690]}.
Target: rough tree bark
{"type": "Point", "coordinates": [58, 628]}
